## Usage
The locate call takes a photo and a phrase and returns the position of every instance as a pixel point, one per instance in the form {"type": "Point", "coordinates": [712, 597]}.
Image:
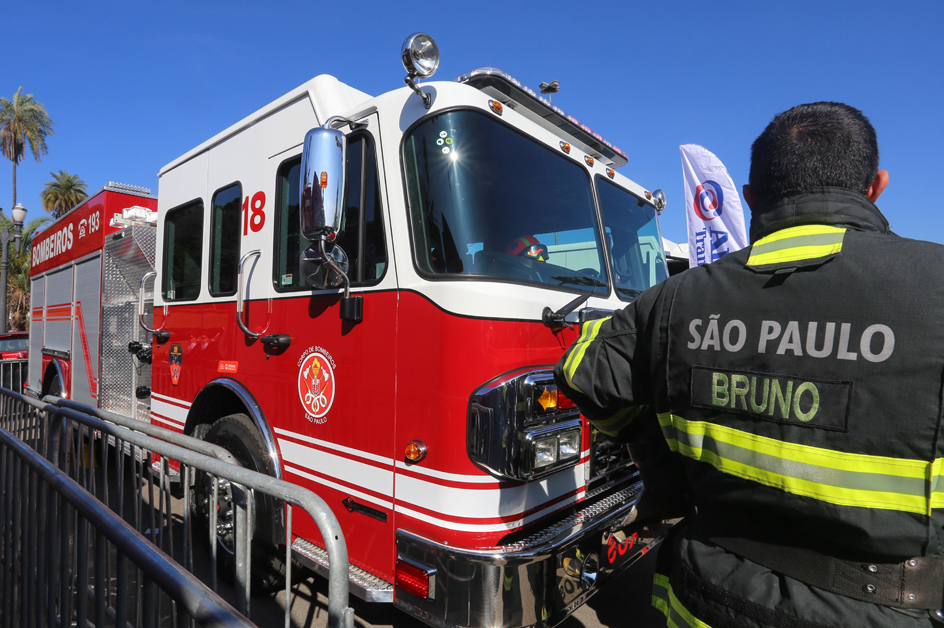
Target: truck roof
{"type": "Point", "coordinates": [327, 94]}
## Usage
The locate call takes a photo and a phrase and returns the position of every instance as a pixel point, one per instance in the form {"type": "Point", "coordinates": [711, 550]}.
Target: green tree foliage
{"type": "Point", "coordinates": [23, 121]}
{"type": "Point", "coordinates": [18, 272]}
{"type": "Point", "coordinates": [64, 192]}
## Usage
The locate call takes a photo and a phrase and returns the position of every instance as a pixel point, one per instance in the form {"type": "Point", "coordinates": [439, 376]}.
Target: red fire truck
{"type": "Point", "coordinates": [85, 274]}
{"type": "Point", "coordinates": [373, 310]}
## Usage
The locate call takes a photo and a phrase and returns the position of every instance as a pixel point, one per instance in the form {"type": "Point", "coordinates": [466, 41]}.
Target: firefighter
{"type": "Point", "coordinates": [528, 246]}
{"type": "Point", "coordinates": [798, 385]}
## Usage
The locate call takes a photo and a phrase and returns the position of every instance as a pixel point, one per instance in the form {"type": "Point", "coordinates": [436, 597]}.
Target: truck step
{"type": "Point", "coordinates": [364, 585]}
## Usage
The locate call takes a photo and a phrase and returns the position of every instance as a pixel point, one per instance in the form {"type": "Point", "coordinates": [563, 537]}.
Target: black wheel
{"type": "Point", "coordinates": [237, 434]}
{"type": "Point", "coordinates": [54, 387]}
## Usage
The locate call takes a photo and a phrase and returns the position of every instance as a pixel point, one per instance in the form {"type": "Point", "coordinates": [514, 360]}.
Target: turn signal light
{"type": "Point", "coordinates": [415, 451]}
{"type": "Point", "coordinates": [324, 180]}
{"type": "Point", "coordinates": [412, 579]}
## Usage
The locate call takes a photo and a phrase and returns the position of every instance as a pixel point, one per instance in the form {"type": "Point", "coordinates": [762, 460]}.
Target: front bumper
{"type": "Point", "coordinates": [536, 582]}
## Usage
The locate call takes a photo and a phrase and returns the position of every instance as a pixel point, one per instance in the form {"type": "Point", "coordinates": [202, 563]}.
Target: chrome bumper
{"type": "Point", "coordinates": [537, 582]}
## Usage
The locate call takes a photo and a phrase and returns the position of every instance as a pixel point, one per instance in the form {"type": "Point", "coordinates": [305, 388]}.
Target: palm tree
{"type": "Point", "coordinates": [23, 121]}
{"type": "Point", "coordinates": [18, 273]}
{"type": "Point", "coordinates": [64, 192]}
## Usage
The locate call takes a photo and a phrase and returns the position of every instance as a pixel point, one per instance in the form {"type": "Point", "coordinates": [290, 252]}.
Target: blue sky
{"type": "Point", "coordinates": [131, 85]}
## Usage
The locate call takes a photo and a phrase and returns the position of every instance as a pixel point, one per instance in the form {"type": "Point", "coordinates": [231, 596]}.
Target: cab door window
{"type": "Point", "coordinates": [183, 252]}
{"type": "Point", "coordinates": [224, 240]}
{"type": "Point", "coordinates": [362, 230]}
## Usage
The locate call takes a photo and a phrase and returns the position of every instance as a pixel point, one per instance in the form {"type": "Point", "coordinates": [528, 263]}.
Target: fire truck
{"type": "Point", "coordinates": [85, 275]}
{"type": "Point", "coordinates": [366, 295]}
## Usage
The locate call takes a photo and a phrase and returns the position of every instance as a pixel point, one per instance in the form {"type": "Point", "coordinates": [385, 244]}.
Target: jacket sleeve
{"type": "Point", "coordinates": [608, 374]}
{"type": "Point", "coordinates": [604, 374]}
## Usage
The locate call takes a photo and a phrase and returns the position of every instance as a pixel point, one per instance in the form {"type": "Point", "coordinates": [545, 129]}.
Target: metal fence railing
{"type": "Point", "coordinates": [13, 374]}
{"type": "Point", "coordinates": [57, 544]}
{"type": "Point", "coordinates": [113, 457]}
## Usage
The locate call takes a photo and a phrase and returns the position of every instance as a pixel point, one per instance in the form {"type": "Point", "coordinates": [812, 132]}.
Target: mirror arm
{"type": "Point", "coordinates": [334, 266]}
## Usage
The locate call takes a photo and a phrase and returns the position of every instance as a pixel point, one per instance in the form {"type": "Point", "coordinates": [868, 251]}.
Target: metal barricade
{"type": "Point", "coordinates": [57, 541]}
{"type": "Point", "coordinates": [97, 448]}
{"type": "Point", "coordinates": [13, 374]}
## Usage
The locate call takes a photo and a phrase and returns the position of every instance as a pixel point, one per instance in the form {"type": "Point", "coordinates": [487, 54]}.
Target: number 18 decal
{"type": "Point", "coordinates": [257, 220]}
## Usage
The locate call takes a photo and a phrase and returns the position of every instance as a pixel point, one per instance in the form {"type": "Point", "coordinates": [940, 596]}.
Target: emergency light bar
{"type": "Point", "coordinates": [511, 92]}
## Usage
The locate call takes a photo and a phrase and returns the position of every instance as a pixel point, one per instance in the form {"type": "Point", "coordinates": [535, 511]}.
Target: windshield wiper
{"type": "Point", "coordinates": [579, 279]}
{"type": "Point", "coordinates": [629, 292]}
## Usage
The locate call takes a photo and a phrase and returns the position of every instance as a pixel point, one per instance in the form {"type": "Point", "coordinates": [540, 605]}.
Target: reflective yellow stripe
{"type": "Point", "coordinates": [797, 243]}
{"type": "Point", "coordinates": [936, 479]}
{"type": "Point", "coordinates": [611, 426]}
{"type": "Point", "coordinates": [676, 615]}
{"type": "Point", "coordinates": [831, 476]}
{"type": "Point", "coordinates": [588, 332]}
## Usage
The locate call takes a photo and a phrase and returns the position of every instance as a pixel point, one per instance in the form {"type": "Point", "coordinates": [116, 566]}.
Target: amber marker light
{"type": "Point", "coordinates": [610, 173]}
{"type": "Point", "coordinates": [496, 106]}
{"type": "Point", "coordinates": [565, 147]}
{"type": "Point", "coordinates": [548, 399]}
{"type": "Point", "coordinates": [589, 160]}
{"type": "Point", "coordinates": [324, 180]}
{"type": "Point", "coordinates": [415, 452]}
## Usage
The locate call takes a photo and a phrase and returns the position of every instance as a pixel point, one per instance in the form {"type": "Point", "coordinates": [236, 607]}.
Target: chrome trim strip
{"type": "Point", "coordinates": [255, 413]}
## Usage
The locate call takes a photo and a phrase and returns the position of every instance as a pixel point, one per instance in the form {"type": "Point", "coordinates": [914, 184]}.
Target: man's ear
{"type": "Point", "coordinates": [749, 197]}
{"type": "Point", "coordinates": [878, 186]}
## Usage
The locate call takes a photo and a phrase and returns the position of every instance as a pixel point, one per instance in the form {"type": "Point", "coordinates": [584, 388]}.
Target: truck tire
{"type": "Point", "coordinates": [237, 434]}
{"type": "Point", "coordinates": [55, 387]}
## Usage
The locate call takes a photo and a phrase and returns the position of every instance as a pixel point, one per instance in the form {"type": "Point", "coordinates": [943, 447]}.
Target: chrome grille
{"type": "Point", "coordinates": [609, 461]}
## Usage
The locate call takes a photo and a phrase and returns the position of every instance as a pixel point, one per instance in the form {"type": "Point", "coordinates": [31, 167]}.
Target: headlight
{"type": "Point", "coordinates": [545, 452]}
{"type": "Point", "coordinates": [522, 428]}
{"type": "Point", "coordinates": [569, 445]}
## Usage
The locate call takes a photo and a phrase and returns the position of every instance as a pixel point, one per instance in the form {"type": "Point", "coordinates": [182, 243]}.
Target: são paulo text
{"type": "Point", "coordinates": [876, 342]}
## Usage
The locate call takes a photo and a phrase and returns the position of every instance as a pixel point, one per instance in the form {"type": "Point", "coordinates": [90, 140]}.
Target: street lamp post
{"type": "Point", "coordinates": [19, 215]}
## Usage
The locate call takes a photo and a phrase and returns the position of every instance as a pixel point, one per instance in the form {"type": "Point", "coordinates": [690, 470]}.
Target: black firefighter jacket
{"type": "Point", "coordinates": [798, 384]}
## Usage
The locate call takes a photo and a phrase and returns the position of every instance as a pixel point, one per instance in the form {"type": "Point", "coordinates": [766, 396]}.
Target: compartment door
{"type": "Point", "coordinates": [37, 316]}
{"type": "Point", "coordinates": [86, 336]}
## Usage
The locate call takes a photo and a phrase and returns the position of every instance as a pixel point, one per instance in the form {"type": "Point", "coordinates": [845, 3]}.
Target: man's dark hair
{"type": "Point", "coordinates": [814, 145]}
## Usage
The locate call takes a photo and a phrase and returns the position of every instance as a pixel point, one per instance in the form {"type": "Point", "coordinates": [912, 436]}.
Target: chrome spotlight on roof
{"type": "Point", "coordinates": [420, 57]}
{"type": "Point", "coordinates": [659, 197]}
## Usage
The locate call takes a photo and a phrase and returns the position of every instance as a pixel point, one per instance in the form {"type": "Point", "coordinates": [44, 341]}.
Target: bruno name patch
{"type": "Point", "coordinates": [777, 398]}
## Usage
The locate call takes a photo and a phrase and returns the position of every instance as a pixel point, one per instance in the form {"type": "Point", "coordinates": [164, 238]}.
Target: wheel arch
{"type": "Point", "coordinates": [53, 369]}
{"type": "Point", "coordinates": [224, 396]}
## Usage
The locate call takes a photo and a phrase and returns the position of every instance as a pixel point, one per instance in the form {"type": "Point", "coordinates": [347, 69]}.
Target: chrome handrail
{"type": "Point", "coordinates": [239, 296]}
{"type": "Point", "coordinates": [147, 275]}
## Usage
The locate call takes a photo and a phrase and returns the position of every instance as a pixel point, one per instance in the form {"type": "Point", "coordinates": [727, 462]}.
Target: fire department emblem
{"type": "Point", "coordinates": [176, 357]}
{"type": "Point", "coordinates": [316, 384]}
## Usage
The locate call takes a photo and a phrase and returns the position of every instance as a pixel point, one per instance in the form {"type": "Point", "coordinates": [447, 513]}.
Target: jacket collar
{"type": "Point", "coordinates": [820, 206]}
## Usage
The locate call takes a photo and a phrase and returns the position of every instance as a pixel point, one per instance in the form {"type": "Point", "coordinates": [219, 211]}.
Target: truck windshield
{"type": "Point", "coordinates": [632, 233]}
{"type": "Point", "coordinates": [486, 201]}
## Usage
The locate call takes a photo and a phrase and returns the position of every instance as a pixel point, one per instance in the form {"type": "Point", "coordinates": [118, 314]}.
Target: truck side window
{"type": "Point", "coordinates": [183, 252]}
{"type": "Point", "coordinates": [224, 240]}
{"type": "Point", "coordinates": [362, 236]}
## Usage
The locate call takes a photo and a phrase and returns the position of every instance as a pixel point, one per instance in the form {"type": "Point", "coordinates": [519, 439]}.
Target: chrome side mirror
{"type": "Point", "coordinates": [322, 183]}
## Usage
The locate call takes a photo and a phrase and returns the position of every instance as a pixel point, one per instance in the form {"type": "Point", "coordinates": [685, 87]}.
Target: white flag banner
{"type": "Point", "coordinates": [713, 207]}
